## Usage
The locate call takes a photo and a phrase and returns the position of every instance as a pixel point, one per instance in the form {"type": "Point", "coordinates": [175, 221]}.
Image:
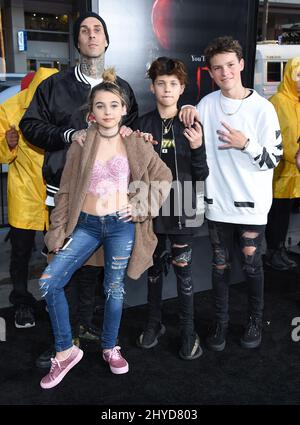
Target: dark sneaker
{"type": "Point", "coordinates": [253, 333]}
{"type": "Point", "coordinates": [216, 341]}
{"type": "Point", "coordinates": [284, 255]}
{"type": "Point", "coordinates": [115, 360]}
{"type": "Point", "coordinates": [24, 317]}
{"type": "Point", "coordinates": [44, 360]}
{"type": "Point", "coordinates": [59, 369]}
{"type": "Point", "coordinates": [275, 260]}
{"type": "Point", "coordinates": [190, 348]}
{"type": "Point", "coordinates": [89, 332]}
{"type": "Point", "coordinates": [149, 338]}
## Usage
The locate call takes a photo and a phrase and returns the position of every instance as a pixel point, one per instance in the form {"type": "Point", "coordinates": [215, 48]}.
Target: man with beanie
{"type": "Point", "coordinates": [58, 116]}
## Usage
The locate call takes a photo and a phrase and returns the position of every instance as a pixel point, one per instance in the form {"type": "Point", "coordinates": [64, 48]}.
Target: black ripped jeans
{"type": "Point", "coordinates": [222, 237]}
{"type": "Point", "coordinates": [161, 262]}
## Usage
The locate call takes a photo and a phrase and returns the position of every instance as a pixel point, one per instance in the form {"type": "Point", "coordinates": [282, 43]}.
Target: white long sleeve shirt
{"type": "Point", "coordinates": [239, 186]}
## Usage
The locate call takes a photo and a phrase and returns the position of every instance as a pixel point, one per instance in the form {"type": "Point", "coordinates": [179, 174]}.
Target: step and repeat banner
{"type": "Point", "coordinates": [142, 30]}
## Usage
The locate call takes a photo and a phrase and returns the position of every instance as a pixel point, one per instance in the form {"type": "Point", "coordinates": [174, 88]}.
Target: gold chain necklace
{"type": "Point", "coordinates": [167, 127]}
{"type": "Point", "coordinates": [238, 108]}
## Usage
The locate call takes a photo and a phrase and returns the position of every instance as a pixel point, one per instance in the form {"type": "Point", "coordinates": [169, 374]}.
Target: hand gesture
{"type": "Point", "coordinates": [233, 138]}
{"type": "Point", "coordinates": [79, 137]}
{"type": "Point", "coordinates": [125, 213]}
{"type": "Point", "coordinates": [188, 116]}
{"type": "Point", "coordinates": [194, 135]}
{"type": "Point", "coordinates": [12, 137]}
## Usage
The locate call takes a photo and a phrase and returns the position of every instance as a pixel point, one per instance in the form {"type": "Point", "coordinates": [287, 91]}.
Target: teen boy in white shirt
{"type": "Point", "coordinates": [243, 146]}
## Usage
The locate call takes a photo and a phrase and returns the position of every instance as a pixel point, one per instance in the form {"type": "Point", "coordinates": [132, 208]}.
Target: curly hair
{"type": "Point", "coordinates": [168, 66]}
{"type": "Point", "coordinates": [224, 44]}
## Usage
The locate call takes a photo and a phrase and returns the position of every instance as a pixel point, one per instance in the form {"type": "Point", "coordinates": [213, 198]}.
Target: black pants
{"type": "Point", "coordinates": [80, 293]}
{"type": "Point", "coordinates": [22, 242]}
{"type": "Point", "coordinates": [184, 280]}
{"type": "Point", "coordinates": [222, 240]}
{"type": "Point", "coordinates": [278, 222]}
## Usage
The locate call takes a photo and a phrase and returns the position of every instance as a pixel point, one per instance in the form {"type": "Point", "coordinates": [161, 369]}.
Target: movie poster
{"type": "Point", "coordinates": [142, 30]}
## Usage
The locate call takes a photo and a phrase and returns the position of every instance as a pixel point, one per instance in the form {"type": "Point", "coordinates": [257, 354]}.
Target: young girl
{"type": "Point", "coordinates": [183, 151]}
{"type": "Point", "coordinates": [94, 208]}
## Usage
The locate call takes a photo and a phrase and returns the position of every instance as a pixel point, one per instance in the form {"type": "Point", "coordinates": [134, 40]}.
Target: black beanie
{"type": "Point", "coordinates": [77, 23]}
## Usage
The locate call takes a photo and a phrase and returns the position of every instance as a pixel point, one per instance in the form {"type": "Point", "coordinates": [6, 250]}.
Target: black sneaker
{"type": "Point", "coordinates": [275, 260]}
{"type": "Point", "coordinates": [24, 316]}
{"type": "Point", "coordinates": [44, 360]}
{"type": "Point", "coordinates": [89, 333]}
{"type": "Point", "coordinates": [216, 341]}
{"type": "Point", "coordinates": [284, 255]}
{"type": "Point", "coordinates": [149, 338]}
{"type": "Point", "coordinates": [190, 348]}
{"type": "Point", "coordinates": [253, 333]}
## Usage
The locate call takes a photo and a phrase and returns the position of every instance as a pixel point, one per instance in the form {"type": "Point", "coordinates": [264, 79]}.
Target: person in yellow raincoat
{"type": "Point", "coordinates": [26, 194]}
{"type": "Point", "coordinates": [286, 180]}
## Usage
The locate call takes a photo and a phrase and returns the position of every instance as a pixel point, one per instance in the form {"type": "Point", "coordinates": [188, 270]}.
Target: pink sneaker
{"type": "Point", "coordinates": [116, 362]}
{"type": "Point", "coordinates": [59, 369]}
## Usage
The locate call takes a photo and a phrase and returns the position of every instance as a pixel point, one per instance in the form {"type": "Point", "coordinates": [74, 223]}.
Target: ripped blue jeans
{"type": "Point", "coordinates": [117, 238]}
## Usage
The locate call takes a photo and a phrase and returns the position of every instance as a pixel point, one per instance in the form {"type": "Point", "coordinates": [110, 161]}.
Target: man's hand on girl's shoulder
{"type": "Point", "coordinates": [146, 136]}
{"type": "Point", "coordinates": [125, 131]}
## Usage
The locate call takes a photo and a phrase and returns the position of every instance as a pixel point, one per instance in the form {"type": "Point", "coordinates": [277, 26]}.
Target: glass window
{"type": "Point", "coordinates": [273, 72]}
{"type": "Point", "coordinates": [31, 65]}
{"type": "Point", "coordinates": [47, 36]}
{"type": "Point", "coordinates": [46, 22]}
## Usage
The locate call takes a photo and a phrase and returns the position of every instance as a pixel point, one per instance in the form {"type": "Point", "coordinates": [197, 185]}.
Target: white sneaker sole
{"type": "Point", "coordinates": [119, 370]}
{"type": "Point", "coordinates": [27, 325]}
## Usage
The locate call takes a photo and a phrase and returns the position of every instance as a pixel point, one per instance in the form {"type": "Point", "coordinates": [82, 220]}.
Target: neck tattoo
{"type": "Point", "coordinates": [92, 67]}
{"type": "Point", "coordinates": [238, 108]}
{"type": "Point", "coordinates": [107, 136]}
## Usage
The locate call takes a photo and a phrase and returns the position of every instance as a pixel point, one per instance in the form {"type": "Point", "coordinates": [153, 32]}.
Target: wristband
{"type": "Point", "coordinates": [246, 145]}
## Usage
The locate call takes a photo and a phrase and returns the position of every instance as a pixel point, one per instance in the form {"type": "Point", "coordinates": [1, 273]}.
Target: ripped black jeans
{"type": "Point", "coordinates": [250, 239]}
{"type": "Point", "coordinates": [161, 261]}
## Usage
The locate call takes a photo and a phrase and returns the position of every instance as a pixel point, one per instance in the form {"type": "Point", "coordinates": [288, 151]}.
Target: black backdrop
{"type": "Point", "coordinates": [142, 30]}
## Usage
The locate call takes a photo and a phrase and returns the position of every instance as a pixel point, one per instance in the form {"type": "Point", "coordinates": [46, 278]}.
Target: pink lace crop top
{"type": "Point", "coordinates": [110, 176]}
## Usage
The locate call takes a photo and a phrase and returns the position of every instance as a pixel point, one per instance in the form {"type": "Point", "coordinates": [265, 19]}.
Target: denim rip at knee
{"type": "Point", "coordinates": [249, 236]}
{"type": "Point", "coordinates": [252, 263]}
{"type": "Point", "coordinates": [222, 244]}
{"type": "Point", "coordinates": [183, 273]}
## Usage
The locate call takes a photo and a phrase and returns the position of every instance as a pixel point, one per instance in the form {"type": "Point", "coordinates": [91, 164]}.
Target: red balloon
{"type": "Point", "coordinates": [161, 22]}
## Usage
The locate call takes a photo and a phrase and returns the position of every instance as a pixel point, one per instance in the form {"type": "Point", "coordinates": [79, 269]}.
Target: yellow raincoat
{"type": "Point", "coordinates": [286, 181]}
{"type": "Point", "coordinates": [26, 191]}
